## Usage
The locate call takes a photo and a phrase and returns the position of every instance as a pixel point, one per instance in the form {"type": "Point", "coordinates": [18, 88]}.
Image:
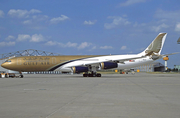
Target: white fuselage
{"type": "Point", "coordinates": [95, 61]}
{"type": "Point", "coordinates": [135, 63]}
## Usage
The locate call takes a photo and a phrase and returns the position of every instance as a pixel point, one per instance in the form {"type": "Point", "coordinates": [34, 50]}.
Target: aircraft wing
{"type": "Point", "coordinates": [122, 60]}
{"type": "Point", "coordinates": [127, 59]}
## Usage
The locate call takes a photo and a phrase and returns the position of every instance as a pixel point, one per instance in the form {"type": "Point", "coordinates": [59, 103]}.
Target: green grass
{"type": "Point", "coordinates": [163, 72]}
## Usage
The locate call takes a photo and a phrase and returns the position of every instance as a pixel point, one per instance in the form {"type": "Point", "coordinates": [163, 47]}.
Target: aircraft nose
{"type": "Point", "coordinates": [4, 65]}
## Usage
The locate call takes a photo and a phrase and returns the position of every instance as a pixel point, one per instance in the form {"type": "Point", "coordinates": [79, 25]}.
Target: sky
{"type": "Point", "coordinates": [89, 27]}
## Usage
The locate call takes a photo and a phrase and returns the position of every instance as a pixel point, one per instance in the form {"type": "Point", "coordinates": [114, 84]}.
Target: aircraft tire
{"type": "Point", "coordinates": [6, 75]}
{"type": "Point", "coordinates": [90, 75]}
{"type": "Point", "coordinates": [21, 76]}
{"type": "Point", "coordinates": [98, 75]}
{"type": "Point", "coordinates": [85, 75]}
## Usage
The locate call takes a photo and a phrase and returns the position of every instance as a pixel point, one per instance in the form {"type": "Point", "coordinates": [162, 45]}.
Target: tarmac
{"type": "Point", "coordinates": [142, 95]}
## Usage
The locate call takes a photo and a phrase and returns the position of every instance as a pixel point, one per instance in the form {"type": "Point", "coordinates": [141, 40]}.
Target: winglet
{"type": "Point", "coordinates": [156, 46]}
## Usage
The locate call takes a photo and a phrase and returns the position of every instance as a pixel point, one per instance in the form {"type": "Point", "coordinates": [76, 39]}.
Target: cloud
{"type": "Point", "coordinates": [51, 43]}
{"type": "Point", "coordinates": [1, 14]}
{"type": "Point", "coordinates": [35, 18]}
{"type": "Point", "coordinates": [80, 46]}
{"type": "Point", "coordinates": [89, 22]}
{"type": "Point", "coordinates": [4, 44]}
{"type": "Point", "coordinates": [117, 21]}
{"type": "Point", "coordinates": [169, 15]}
{"type": "Point", "coordinates": [10, 43]}
{"type": "Point", "coordinates": [18, 13]}
{"type": "Point", "coordinates": [23, 37]}
{"type": "Point", "coordinates": [160, 27]}
{"type": "Point", "coordinates": [93, 48]}
{"type": "Point", "coordinates": [40, 17]}
{"type": "Point", "coordinates": [56, 20]}
{"type": "Point", "coordinates": [123, 47]}
{"type": "Point", "coordinates": [34, 11]}
{"type": "Point", "coordinates": [131, 2]}
{"type": "Point", "coordinates": [10, 37]}
{"type": "Point", "coordinates": [68, 44]}
{"type": "Point", "coordinates": [22, 13]}
{"type": "Point", "coordinates": [27, 22]}
{"type": "Point", "coordinates": [33, 38]}
{"type": "Point", "coordinates": [84, 45]}
{"type": "Point", "coordinates": [177, 28]}
{"type": "Point", "coordinates": [106, 47]}
{"type": "Point", "coordinates": [37, 38]}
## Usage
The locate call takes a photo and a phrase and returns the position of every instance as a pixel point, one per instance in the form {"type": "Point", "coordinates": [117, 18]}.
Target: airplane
{"type": "Point", "coordinates": [87, 64]}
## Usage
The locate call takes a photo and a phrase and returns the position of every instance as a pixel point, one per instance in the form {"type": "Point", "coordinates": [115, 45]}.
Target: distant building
{"type": "Point", "coordinates": [177, 67]}
{"type": "Point", "coordinates": [159, 67]}
{"type": "Point", "coordinates": [153, 67]}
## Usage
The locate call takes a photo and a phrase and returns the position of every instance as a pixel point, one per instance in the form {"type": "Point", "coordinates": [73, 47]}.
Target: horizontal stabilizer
{"type": "Point", "coordinates": [170, 54]}
{"type": "Point", "coordinates": [155, 57]}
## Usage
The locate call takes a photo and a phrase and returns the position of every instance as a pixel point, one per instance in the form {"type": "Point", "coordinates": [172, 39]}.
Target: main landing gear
{"type": "Point", "coordinates": [93, 70]}
{"type": "Point", "coordinates": [92, 74]}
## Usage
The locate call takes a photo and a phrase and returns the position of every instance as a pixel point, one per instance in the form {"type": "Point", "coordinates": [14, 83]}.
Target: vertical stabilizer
{"type": "Point", "coordinates": [156, 46]}
{"type": "Point", "coordinates": [178, 41]}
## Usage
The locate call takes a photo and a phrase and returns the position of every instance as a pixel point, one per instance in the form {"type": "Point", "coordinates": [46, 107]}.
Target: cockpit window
{"type": "Point", "coordinates": [8, 61]}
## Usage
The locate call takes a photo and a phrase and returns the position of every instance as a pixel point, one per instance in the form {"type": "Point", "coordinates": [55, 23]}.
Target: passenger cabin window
{"type": "Point", "coordinates": [8, 61]}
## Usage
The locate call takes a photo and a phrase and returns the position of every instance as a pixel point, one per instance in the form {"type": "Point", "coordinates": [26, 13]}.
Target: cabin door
{"type": "Point", "coordinates": [19, 61]}
{"type": "Point", "coordinates": [54, 60]}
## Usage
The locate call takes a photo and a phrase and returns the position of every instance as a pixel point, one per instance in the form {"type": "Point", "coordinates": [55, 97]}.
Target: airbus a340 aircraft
{"type": "Point", "coordinates": [87, 64]}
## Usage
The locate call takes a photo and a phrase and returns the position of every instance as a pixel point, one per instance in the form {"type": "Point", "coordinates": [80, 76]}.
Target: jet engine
{"type": "Point", "coordinates": [79, 69]}
{"type": "Point", "coordinates": [108, 65]}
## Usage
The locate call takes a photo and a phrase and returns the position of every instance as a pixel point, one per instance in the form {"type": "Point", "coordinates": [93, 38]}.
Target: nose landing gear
{"type": "Point", "coordinates": [21, 75]}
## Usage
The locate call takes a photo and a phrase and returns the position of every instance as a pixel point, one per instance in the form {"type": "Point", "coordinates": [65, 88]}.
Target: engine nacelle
{"type": "Point", "coordinates": [79, 69]}
{"type": "Point", "coordinates": [108, 65]}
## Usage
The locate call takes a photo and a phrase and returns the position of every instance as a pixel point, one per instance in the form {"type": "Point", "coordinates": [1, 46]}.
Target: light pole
{"type": "Point", "coordinates": [166, 59]}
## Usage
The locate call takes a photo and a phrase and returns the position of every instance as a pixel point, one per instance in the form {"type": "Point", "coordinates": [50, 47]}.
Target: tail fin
{"type": "Point", "coordinates": [156, 46]}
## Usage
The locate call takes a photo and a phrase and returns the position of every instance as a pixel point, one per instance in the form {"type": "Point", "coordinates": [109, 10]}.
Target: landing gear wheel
{"type": "Point", "coordinates": [85, 75]}
{"type": "Point", "coordinates": [92, 75]}
{"type": "Point", "coordinates": [98, 75]}
{"type": "Point", "coordinates": [21, 76]}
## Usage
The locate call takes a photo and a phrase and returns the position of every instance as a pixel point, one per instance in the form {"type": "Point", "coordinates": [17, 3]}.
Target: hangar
{"type": "Point", "coordinates": [153, 67]}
